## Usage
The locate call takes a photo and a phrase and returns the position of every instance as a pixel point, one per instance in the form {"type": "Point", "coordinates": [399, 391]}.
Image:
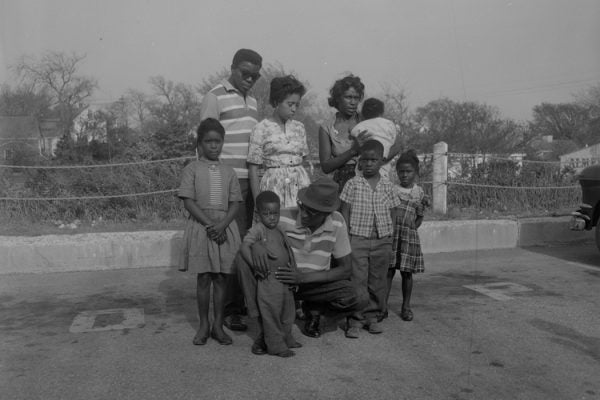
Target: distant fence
{"type": "Point", "coordinates": [146, 189]}
{"type": "Point", "coordinates": [501, 184]}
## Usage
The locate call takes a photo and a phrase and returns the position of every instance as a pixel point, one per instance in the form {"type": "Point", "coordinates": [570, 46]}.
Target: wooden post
{"type": "Point", "coordinates": [440, 177]}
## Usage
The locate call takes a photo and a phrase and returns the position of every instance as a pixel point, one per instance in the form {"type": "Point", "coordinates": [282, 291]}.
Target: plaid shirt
{"type": "Point", "coordinates": [367, 205]}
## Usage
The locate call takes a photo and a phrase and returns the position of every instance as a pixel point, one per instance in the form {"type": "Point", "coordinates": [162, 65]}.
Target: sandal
{"type": "Point", "coordinates": [406, 315]}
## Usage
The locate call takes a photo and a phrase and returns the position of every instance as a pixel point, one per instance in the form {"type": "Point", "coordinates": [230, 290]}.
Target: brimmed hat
{"type": "Point", "coordinates": [321, 195]}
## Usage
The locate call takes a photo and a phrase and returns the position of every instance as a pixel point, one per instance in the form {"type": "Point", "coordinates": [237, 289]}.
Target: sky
{"type": "Point", "coordinates": [508, 54]}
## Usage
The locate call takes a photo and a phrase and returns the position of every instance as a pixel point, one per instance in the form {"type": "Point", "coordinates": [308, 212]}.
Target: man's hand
{"type": "Point", "coordinates": [287, 275]}
{"type": "Point", "coordinates": [260, 258]}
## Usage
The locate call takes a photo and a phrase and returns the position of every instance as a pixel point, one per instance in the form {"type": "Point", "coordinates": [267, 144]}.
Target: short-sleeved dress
{"type": "Point", "coordinates": [340, 143]}
{"type": "Point", "coordinates": [282, 153]}
{"type": "Point", "coordinates": [406, 245]}
{"type": "Point", "coordinates": [212, 185]}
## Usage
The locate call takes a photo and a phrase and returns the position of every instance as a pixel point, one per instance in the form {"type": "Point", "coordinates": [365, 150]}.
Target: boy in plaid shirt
{"type": "Point", "coordinates": [368, 204]}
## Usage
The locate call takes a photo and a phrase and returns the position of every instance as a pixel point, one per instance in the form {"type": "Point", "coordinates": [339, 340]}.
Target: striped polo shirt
{"type": "Point", "coordinates": [238, 115]}
{"type": "Point", "coordinates": [313, 251]}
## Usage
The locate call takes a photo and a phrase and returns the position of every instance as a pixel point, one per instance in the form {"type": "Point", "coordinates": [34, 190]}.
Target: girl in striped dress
{"type": "Point", "coordinates": [211, 194]}
{"type": "Point", "coordinates": [407, 255]}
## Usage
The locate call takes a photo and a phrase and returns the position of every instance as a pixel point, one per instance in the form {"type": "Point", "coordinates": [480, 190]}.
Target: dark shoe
{"type": "Point", "coordinates": [406, 315]}
{"type": "Point", "coordinates": [352, 332]}
{"type": "Point", "coordinates": [234, 323]}
{"type": "Point", "coordinates": [374, 328]}
{"type": "Point", "coordinates": [381, 317]}
{"type": "Point", "coordinates": [286, 353]}
{"type": "Point", "coordinates": [311, 328]}
{"type": "Point", "coordinates": [224, 339]}
{"type": "Point", "coordinates": [200, 339]}
{"type": "Point", "coordinates": [259, 347]}
{"type": "Point", "coordinates": [295, 345]}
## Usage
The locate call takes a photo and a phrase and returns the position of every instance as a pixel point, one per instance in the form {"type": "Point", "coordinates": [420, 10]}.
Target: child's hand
{"type": "Point", "coordinates": [426, 201]}
{"type": "Point", "coordinates": [221, 239]}
{"type": "Point", "coordinates": [216, 230]}
{"type": "Point", "coordinates": [260, 258]}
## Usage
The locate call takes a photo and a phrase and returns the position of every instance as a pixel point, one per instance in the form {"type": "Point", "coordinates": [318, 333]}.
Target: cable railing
{"type": "Point", "coordinates": [474, 181]}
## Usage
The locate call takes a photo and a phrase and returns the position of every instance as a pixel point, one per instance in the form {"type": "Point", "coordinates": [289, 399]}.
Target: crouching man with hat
{"type": "Point", "coordinates": [318, 234]}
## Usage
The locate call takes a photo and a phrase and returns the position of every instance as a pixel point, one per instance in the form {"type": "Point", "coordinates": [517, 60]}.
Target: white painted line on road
{"type": "Point", "coordinates": [498, 290]}
{"type": "Point", "coordinates": [107, 320]}
{"type": "Point", "coordinates": [585, 266]}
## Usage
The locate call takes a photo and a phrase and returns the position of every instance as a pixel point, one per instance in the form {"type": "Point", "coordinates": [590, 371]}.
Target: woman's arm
{"type": "Point", "coordinates": [330, 163]}
{"type": "Point", "coordinates": [254, 179]}
{"type": "Point", "coordinates": [396, 147]}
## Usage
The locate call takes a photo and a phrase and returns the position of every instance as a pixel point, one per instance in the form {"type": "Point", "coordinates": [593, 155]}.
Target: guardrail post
{"type": "Point", "coordinates": [440, 177]}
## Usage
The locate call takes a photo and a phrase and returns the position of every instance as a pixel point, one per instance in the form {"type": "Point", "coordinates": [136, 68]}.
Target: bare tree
{"type": "Point", "coordinates": [562, 121]}
{"type": "Point", "coordinates": [55, 73]}
{"type": "Point", "coordinates": [137, 103]}
{"type": "Point", "coordinates": [24, 100]}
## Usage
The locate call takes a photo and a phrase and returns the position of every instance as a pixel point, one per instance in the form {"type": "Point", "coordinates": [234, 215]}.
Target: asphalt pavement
{"type": "Point", "coordinates": [495, 324]}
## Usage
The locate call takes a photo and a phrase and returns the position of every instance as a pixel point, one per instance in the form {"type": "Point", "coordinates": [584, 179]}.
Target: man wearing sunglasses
{"type": "Point", "coordinates": [317, 236]}
{"type": "Point", "coordinates": [230, 103]}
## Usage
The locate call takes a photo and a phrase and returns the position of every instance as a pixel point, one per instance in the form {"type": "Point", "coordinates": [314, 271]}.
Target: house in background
{"type": "Point", "coordinates": [545, 148]}
{"type": "Point", "coordinates": [581, 158]}
{"type": "Point", "coordinates": [50, 130]}
{"type": "Point", "coordinates": [27, 134]}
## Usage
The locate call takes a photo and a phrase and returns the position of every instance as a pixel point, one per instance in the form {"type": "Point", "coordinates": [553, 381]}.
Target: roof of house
{"type": "Point", "coordinates": [19, 128]}
{"type": "Point", "coordinates": [551, 150]}
{"type": "Point", "coordinates": [595, 148]}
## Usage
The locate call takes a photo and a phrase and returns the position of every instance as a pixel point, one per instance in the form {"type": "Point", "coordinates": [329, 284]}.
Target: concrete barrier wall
{"type": "Point", "coordinates": [446, 236]}
{"type": "Point", "coordinates": [93, 251]}
{"type": "Point", "coordinates": [98, 251]}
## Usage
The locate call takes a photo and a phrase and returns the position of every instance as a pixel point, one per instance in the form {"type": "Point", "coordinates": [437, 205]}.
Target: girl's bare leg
{"type": "Point", "coordinates": [407, 285]}
{"type": "Point", "coordinates": [203, 301]}
{"type": "Point", "coordinates": [219, 290]}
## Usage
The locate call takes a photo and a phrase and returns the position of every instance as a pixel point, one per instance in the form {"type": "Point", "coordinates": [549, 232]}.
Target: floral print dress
{"type": "Point", "coordinates": [281, 152]}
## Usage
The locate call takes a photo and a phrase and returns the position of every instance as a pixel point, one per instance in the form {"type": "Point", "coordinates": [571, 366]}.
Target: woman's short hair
{"type": "Point", "coordinates": [208, 125]}
{"type": "Point", "coordinates": [341, 85]}
{"type": "Point", "coordinates": [282, 87]}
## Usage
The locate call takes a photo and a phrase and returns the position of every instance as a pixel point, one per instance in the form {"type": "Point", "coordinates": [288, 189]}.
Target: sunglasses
{"type": "Point", "coordinates": [311, 212]}
{"type": "Point", "coordinates": [247, 74]}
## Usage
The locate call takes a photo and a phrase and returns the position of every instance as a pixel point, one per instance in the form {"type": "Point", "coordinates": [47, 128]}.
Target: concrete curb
{"type": "Point", "coordinates": [100, 251]}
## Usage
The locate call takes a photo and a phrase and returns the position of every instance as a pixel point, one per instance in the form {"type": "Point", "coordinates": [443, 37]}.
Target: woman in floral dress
{"type": "Point", "coordinates": [279, 144]}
